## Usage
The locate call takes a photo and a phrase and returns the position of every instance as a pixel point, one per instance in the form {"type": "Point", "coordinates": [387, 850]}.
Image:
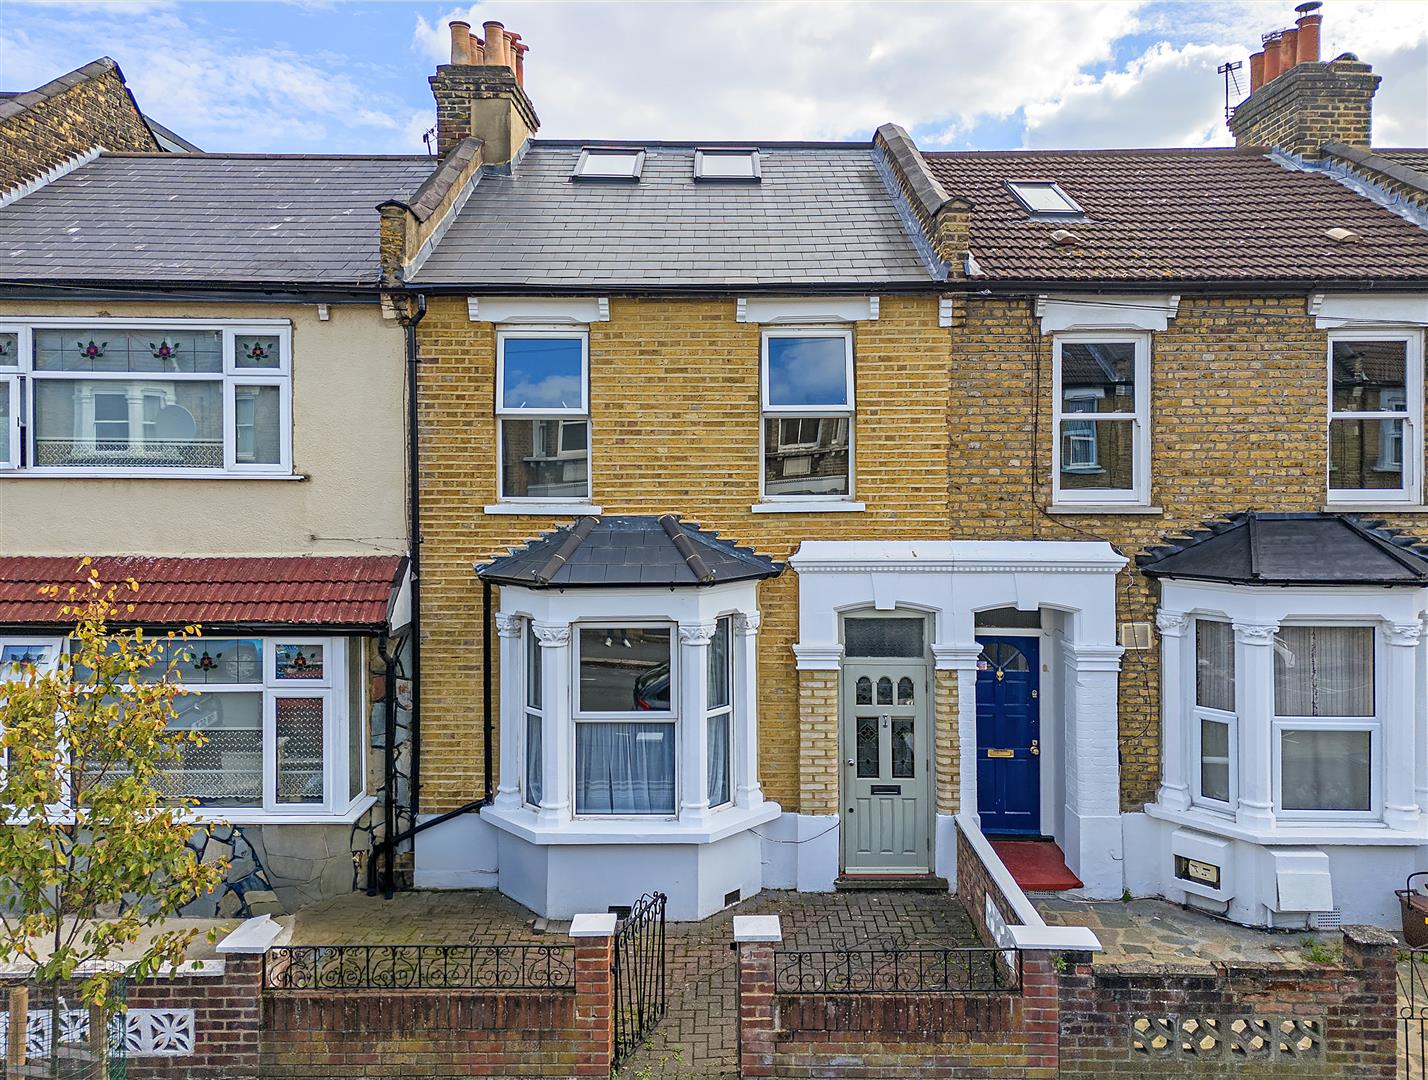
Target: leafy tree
{"type": "Point", "coordinates": [95, 852]}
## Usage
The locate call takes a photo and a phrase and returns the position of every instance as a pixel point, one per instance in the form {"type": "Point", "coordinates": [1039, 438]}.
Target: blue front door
{"type": "Point", "coordinates": [1009, 735]}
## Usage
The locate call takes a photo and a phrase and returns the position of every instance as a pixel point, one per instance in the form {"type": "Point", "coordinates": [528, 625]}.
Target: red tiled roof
{"type": "Point", "coordinates": [347, 591]}
{"type": "Point", "coordinates": [1168, 215]}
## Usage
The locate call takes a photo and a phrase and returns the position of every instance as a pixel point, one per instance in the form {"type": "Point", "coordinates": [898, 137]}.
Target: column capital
{"type": "Point", "coordinates": [509, 625]}
{"type": "Point", "coordinates": [696, 633]}
{"type": "Point", "coordinates": [747, 622]}
{"type": "Point", "coordinates": [1171, 623]}
{"type": "Point", "coordinates": [1403, 633]}
{"type": "Point", "coordinates": [956, 657]}
{"type": "Point", "coordinates": [1255, 633]}
{"type": "Point", "coordinates": [552, 635]}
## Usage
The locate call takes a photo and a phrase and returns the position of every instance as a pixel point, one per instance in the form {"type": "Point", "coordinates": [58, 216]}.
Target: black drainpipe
{"type": "Point", "coordinates": [414, 541]}
{"type": "Point", "coordinates": [486, 725]}
{"type": "Point", "coordinates": [389, 755]}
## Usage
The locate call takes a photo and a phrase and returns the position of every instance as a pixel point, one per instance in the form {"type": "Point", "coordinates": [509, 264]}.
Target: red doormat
{"type": "Point", "coordinates": [1037, 865]}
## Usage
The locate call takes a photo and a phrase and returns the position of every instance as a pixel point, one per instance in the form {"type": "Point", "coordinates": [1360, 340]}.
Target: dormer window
{"type": "Point", "coordinates": [609, 163]}
{"type": "Point", "coordinates": [727, 163]}
{"type": "Point", "coordinates": [1043, 197]}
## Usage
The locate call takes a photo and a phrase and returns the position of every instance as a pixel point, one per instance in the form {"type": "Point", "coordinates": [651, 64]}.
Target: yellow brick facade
{"type": "Point", "coordinates": [674, 392]}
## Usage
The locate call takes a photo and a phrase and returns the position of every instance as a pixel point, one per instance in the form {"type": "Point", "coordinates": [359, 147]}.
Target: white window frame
{"type": "Point", "coordinates": [1199, 713]}
{"type": "Point", "coordinates": [1410, 492]}
{"type": "Point", "coordinates": [1139, 492]}
{"type": "Point", "coordinates": [769, 411]}
{"type": "Point", "coordinates": [749, 152]}
{"type": "Point", "coordinates": [1071, 209]}
{"type": "Point", "coordinates": [671, 716]}
{"type": "Point", "coordinates": [10, 433]}
{"type": "Point", "coordinates": [632, 177]}
{"type": "Point", "coordinates": [20, 379]}
{"type": "Point", "coordinates": [726, 711]}
{"type": "Point", "coordinates": [530, 646]}
{"type": "Point", "coordinates": [562, 416]}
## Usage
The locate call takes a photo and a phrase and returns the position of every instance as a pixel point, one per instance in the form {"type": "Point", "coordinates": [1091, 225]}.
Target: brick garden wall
{"type": "Point", "coordinates": [47, 127]}
{"type": "Point", "coordinates": [1306, 1023]}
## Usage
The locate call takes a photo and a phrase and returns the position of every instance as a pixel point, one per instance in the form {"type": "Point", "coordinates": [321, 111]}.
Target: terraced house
{"type": "Point", "coordinates": [781, 504]}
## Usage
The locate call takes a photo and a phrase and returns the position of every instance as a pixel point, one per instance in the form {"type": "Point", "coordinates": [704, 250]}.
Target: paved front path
{"type": "Point", "coordinates": [697, 1037]}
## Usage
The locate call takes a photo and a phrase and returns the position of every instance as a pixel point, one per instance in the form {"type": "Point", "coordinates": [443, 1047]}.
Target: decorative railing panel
{"type": "Point", "coordinates": [420, 967]}
{"type": "Point", "coordinates": [896, 971]}
{"type": "Point", "coordinates": [1413, 1014]}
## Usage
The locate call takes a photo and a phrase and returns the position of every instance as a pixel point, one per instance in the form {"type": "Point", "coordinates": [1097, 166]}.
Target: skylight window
{"type": "Point", "coordinates": [1043, 197]}
{"type": "Point", "coordinates": [609, 163]}
{"type": "Point", "coordinates": [727, 164]}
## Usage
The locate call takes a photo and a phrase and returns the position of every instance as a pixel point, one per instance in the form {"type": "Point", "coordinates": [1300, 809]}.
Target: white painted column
{"type": "Point", "coordinates": [1420, 724]}
{"type": "Point", "coordinates": [1094, 849]}
{"type": "Point", "coordinates": [693, 762]}
{"type": "Point", "coordinates": [558, 727]}
{"type": "Point", "coordinates": [963, 660]}
{"type": "Point", "coordinates": [512, 738]}
{"type": "Point", "coordinates": [1176, 700]}
{"type": "Point", "coordinates": [1400, 806]}
{"type": "Point", "coordinates": [748, 792]}
{"type": "Point", "coordinates": [1254, 709]}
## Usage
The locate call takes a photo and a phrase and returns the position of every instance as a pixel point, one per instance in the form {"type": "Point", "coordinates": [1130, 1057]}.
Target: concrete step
{"type": "Point", "coordinates": [929, 883]}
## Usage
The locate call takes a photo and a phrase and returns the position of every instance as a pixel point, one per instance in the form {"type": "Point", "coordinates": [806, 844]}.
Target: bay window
{"type": "Point", "coordinates": [542, 410]}
{"type": "Point", "coordinates": [145, 397]}
{"type": "Point", "coordinates": [808, 413]}
{"type": "Point", "coordinates": [1325, 720]}
{"type": "Point", "coordinates": [1213, 727]}
{"type": "Point", "coordinates": [1101, 403]}
{"type": "Point", "coordinates": [1375, 416]}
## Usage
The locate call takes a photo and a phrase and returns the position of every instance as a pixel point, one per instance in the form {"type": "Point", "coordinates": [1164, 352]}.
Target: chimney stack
{"type": "Point", "coordinates": [481, 93]}
{"type": "Point", "coordinates": [1297, 102]}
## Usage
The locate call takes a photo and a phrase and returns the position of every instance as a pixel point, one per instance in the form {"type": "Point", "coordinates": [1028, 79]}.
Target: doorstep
{"type": "Point", "coordinates": [1036, 865]}
{"type": "Point", "coordinates": [928, 883]}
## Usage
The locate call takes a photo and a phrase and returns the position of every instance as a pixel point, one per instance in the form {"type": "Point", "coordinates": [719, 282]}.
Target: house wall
{"type": "Point", "coordinates": [348, 445]}
{"type": "Point", "coordinates": [675, 428]}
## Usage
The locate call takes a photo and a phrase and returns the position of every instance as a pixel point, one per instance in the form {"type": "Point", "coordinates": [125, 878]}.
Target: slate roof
{"type": "Point", "coordinates": [1255, 548]}
{"type": "Point", "coordinates": [330, 591]}
{"type": "Point", "coordinates": [1176, 215]}
{"type": "Point", "coordinates": [637, 550]}
{"type": "Point", "coordinates": [207, 218]}
{"type": "Point", "coordinates": [821, 214]}
{"type": "Point", "coordinates": [1413, 158]}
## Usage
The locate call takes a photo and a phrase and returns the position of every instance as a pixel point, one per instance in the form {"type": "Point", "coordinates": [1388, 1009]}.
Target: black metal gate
{"type": "Point", "coordinates": [639, 974]}
{"type": "Point", "coordinates": [1413, 1014]}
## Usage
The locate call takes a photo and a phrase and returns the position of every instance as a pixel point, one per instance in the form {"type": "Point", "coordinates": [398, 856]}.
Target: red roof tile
{"type": "Point", "coordinates": [346, 591]}
{"type": "Point", "coordinates": [1177, 215]}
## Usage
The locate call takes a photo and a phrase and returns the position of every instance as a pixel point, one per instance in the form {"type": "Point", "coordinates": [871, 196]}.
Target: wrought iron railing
{"type": "Point", "coordinates": [897, 971]}
{"type": "Point", "coordinates": [420, 967]}
{"type": "Point", "coordinates": [1413, 1014]}
{"type": "Point", "coordinates": [638, 968]}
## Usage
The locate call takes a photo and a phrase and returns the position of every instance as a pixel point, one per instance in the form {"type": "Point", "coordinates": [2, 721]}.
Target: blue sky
{"type": "Point", "coordinates": [329, 76]}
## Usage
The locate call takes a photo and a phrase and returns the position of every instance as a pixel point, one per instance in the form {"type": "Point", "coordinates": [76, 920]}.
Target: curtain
{"type": "Point", "coordinates": [719, 759]}
{"type": "Point", "coordinates": [533, 758]}
{"type": "Point", "coordinates": [1323, 671]}
{"type": "Point", "coordinates": [1325, 770]}
{"type": "Point", "coordinates": [1214, 665]}
{"type": "Point", "coordinates": [624, 768]}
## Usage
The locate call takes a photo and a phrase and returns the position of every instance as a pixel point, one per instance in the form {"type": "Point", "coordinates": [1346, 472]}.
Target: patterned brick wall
{"type": "Point", "coordinates": [818, 734]}
{"type": "Point", "coordinates": [675, 428]}
{"type": "Point", "coordinates": [947, 745]}
{"type": "Point", "coordinates": [46, 128]}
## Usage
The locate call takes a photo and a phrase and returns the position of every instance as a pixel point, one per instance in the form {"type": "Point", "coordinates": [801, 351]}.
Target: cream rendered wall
{"type": "Point", "coordinates": [348, 445]}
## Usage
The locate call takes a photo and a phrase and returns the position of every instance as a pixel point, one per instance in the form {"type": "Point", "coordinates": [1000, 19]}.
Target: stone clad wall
{"type": "Point", "coordinates": [43, 129]}
{"type": "Point", "coordinates": [675, 428]}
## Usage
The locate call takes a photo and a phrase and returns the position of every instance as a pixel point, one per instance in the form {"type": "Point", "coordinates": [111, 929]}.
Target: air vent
{"type": "Point", "coordinates": [1327, 920]}
{"type": "Point", "coordinates": [1135, 635]}
{"type": "Point", "coordinates": [733, 896]}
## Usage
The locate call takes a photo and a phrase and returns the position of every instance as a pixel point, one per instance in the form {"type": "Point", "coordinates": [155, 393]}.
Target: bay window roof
{"type": "Point", "coordinates": [1257, 548]}
{"type": "Point", "coordinates": [628, 551]}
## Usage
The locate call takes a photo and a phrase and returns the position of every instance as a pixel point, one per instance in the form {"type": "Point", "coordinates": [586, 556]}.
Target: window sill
{"type": "Point", "coordinates": [1374, 508]}
{"type": "Point", "coordinates": [146, 474]}
{"type": "Point", "coordinates": [252, 816]}
{"type": "Point", "coordinates": [1103, 508]}
{"type": "Point", "coordinates": [521, 822]}
{"type": "Point", "coordinates": [1289, 833]}
{"type": "Point", "coordinates": [545, 509]}
{"type": "Point", "coordinates": [812, 506]}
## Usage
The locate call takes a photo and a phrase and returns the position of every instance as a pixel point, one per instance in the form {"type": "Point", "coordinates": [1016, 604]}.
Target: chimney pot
{"type": "Point", "coordinates": [519, 50]}
{"type": "Point", "coordinates": [1256, 71]}
{"type": "Point", "coordinates": [1308, 27]}
{"type": "Point", "coordinates": [1273, 60]}
{"type": "Point", "coordinates": [495, 44]}
{"type": "Point", "coordinates": [460, 41]}
{"type": "Point", "coordinates": [1288, 49]}
{"type": "Point", "coordinates": [478, 50]}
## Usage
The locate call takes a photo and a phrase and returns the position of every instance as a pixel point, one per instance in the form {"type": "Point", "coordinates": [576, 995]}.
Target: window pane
{"type": "Point", "coordinates": [625, 669]}
{"type": "Point", "coordinates": [1215, 760]}
{"type": "Point", "coordinates": [210, 661]}
{"type": "Point", "coordinates": [1323, 671]}
{"type": "Point", "coordinates": [1215, 665]}
{"type": "Point", "coordinates": [903, 758]}
{"type": "Point", "coordinates": [145, 423]}
{"type": "Point", "coordinates": [806, 455]}
{"type": "Point", "coordinates": [257, 352]}
{"type": "Point", "coordinates": [616, 163]}
{"type": "Point", "coordinates": [545, 459]}
{"type": "Point", "coordinates": [1325, 770]}
{"type": "Point", "coordinates": [533, 758]}
{"type": "Point", "coordinates": [257, 425]}
{"type": "Point", "coordinates": [883, 637]}
{"type": "Point", "coordinates": [534, 687]}
{"type": "Point", "coordinates": [737, 165]}
{"type": "Point", "coordinates": [1098, 376]}
{"type": "Point", "coordinates": [719, 666]}
{"type": "Point", "coordinates": [719, 759]}
{"type": "Point", "coordinates": [1370, 376]}
{"type": "Point", "coordinates": [106, 349]}
{"type": "Point", "coordinates": [299, 662]}
{"type": "Point", "coordinates": [1365, 454]}
{"type": "Point", "coordinates": [5, 423]}
{"type": "Point", "coordinates": [543, 373]}
{"type": "Point", "coordinates": [867, 748]}
{"type": "Point", "coordinates": [624, 768]}
{"type": "Point", "coordinates": [357, 718]}
{"type": "Point", "coordinates": [300, 749]}
{"type": "Point", "coordinates": [227, 770]}
{"type": "Point", "coordinates": [13, 657]}
{"type": "Point", "coordinates": [808, 371]}
{"type": "Point", "coordinates": [1098, 455]}
{"type": "Point", "coordinates": [1043, 198]}
{"type": "Point", "coordinates": [9, 350]}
